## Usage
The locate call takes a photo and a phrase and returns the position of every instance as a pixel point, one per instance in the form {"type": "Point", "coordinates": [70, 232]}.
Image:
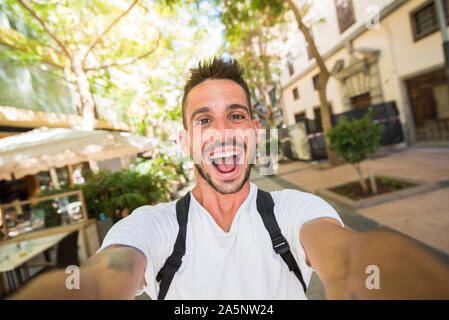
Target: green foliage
{"type": "Point", "coordinates": [268, 146]}
{"type": "Point", "coordinates": [147, 182]}
{"type": "Point", "coordinates": [355, 140]}
{"type": "Point", "coordinates": [253, 29]}
{"type": "Point", "coordinates": [125, 93]}
{"type": "Point", "coordinates": [50, 215]}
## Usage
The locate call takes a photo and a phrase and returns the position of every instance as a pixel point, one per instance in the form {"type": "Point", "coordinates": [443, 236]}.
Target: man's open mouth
{"type": "Point", "coordinates": [226, 163]}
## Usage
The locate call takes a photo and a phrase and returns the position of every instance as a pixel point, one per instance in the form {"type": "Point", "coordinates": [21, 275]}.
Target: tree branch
{"type": "Point", "coordinates": [64, 49]}
{"type": "Point", "coordinates": [107, 30]}
{"type": "Point", "coordinates": [275, 109]}
{"type": "Point", "coordinates": [260, 113]}
{"type": "Point", "coordinates": [127, 61]}
{"type": "Point", "coordinates": [324, 73]}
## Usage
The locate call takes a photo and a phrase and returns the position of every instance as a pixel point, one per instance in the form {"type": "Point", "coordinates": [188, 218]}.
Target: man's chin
{"type": "Point", "coordinates": [223, 185]}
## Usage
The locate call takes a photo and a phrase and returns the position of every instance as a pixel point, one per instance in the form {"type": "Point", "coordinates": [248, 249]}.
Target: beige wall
{"type": "Point", "coordinates": [326, 31]}
{"type": "Point", "coordinates": [309, 96]}
{"type": "Point", "coordinates": [400, 58]}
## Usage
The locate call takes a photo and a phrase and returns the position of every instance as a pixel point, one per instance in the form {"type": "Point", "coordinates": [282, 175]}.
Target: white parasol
{"type": "Point", "coordinates": [46, 148]}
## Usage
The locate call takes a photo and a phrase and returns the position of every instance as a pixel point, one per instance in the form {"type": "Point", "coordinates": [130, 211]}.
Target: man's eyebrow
{"type": "Point", "coordinates": [200, 110]}
{"type": "Point", "coordinates": [238, 106]}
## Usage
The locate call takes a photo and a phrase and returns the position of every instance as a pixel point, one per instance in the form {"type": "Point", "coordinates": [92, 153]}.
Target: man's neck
{"type": "Point", "coordinates": [222, 207]}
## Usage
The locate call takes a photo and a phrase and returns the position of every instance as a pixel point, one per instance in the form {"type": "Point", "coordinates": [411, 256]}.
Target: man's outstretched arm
{"type": "Point", "coordinates": [345, 260]}
{"type": "Point", "coordinates": [116, 272]}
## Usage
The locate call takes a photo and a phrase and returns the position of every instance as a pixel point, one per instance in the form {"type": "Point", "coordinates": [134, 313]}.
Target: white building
{"type": "Point", "coordinates": [378, 51]}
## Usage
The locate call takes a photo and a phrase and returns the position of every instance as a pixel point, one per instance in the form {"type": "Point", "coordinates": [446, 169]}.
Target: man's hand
{"type": "Point", "coordinates": [341, 257]}
{"type": "Point", "coordinates": [116, 272]}
{"type": "Point", "coordinates": [406, 269]}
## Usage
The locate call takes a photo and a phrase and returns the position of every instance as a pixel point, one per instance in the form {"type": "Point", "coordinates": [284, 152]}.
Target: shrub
{"type": "Point", "coordinates": [354, 141]}
{"type": "Point", "coordinates": [118, 193]}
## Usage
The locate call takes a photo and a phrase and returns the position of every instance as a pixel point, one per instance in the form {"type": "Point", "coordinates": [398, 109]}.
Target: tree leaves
{"type": "Point", "coordinates": [355, 140]}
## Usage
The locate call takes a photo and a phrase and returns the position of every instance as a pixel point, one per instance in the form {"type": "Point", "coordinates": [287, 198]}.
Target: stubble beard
{"type": "Point", "coordinates": [228, 187]}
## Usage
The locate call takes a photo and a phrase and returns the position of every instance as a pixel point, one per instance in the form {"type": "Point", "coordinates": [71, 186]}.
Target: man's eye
{"type": "Point", "coordinates": [237, 116]}
{"type": "Point", "coordinates": [202, 121]}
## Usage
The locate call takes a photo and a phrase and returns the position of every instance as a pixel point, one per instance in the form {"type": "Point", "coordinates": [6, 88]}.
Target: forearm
{"type": "Point", "coordinates": [115, 273]}
{"type": "Point", "coordinates": [405, 270]}
{"type": "Point", "coordinates": [56, 285]}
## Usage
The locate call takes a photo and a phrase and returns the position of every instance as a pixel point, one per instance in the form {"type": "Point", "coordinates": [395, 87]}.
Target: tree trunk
{"type": "Point", "coordinates": [269, 115]}
{"type": "Point", "coordinates": [87, 100]}
{"type": "Point", "coordinates": [362, 181]}
{"type": "Point", "coordinates": [322, 83]}
{"type": "Point", "coordinates": [326, 121]}
{"type": "Point", "coordinates": [371, 177]}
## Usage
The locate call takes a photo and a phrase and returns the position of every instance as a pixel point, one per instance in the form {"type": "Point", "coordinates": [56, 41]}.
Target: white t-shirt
{"type": "Point", "coordinates": [240, 264]}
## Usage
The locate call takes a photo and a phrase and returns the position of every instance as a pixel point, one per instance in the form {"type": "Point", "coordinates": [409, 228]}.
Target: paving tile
{"type": "Point", "coordinates": [423, 217]}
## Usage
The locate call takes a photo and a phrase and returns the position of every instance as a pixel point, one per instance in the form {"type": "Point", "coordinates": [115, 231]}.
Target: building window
{"type": "Point", "coordinates": [345, 14]}
{"type": "Point", "coordinates": [309, 51]}
{"type": "Point", "coordinates": [317, 113]}
{"type": "Point", "coordinates": [274, 97]}
{"type": "Point", "coordinates": [425, 20]}
{"type": "Point", "coordinates": [295, 94]}
{"type": "Point", "coordinates": [291, 70]}
{"type": "Point", "coordinates": [300, 117]}
{"type": "Point", "coordinates": [315, 80]}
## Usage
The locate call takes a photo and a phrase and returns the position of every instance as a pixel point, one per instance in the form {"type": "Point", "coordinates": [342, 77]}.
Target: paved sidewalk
{"type": "Point", "coordinates": [424, 217]}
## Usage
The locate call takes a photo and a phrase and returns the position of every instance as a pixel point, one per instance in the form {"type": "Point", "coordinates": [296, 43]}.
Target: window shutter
{"type": "Point", "coordinates": [315, 80]}
{"type": "Point", "coordinates": [291, 69]}
{"type": "Point", "coordinates": [295, 94]}
{"type": "Point", "coordinates": [345, 14]}
{"type": "Point", "coordinates": [425, 20]}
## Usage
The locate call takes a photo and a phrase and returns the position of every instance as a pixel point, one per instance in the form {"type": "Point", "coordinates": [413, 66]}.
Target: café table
{"type": "Point", "coordinates": [15, 255]}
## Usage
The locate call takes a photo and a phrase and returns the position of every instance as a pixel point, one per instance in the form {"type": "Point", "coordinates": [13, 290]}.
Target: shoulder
{"type": "Point", "coordinates": [157, 218]}
{"type": "Point", "coordinates": [148, 228]}
{"type": "Point", "coordinates": [293, 206]}
{"type": "Point", "coordinates": [296, 198]}
{"type": "Point", "coordinates": [166, 211]}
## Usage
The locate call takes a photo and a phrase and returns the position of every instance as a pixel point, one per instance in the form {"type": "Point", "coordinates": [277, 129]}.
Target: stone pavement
{"type": "Point", "coordinates": [424, 217]}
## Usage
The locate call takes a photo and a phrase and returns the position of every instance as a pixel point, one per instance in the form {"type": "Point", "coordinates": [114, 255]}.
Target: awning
{"type": "Point", "coordinates": [45, 148]}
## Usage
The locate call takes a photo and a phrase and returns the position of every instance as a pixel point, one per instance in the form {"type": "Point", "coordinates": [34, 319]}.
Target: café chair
{"type": "Point", "coordinates": [66, 254]}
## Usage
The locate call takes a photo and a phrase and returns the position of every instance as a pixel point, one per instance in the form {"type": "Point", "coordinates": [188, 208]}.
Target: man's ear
{"type": "Point", "coordinates": [183, 136]}
{"type": "Point", "coordinates": [256, 128]}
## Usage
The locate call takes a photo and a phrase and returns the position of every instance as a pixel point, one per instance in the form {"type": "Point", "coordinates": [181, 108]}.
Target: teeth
{"type": "Point", "coordinates": [224, 155]}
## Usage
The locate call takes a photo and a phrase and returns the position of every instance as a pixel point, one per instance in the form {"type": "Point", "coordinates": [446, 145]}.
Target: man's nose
{"type": "Point", "coordinates": [223, 127]}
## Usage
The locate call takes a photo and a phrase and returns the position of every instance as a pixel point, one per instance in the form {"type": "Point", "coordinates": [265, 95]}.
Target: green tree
{"type": "Point", "coordinates": [253, 36]}
{"type": "Point", "coordinates": [277, 12]}
{"type": "Point", "coordinates": [85, 33]}
{"type": "Point", "coordinates": [117, 194]}
{"type": "Point", "coordinates": [355, 141]}
{"type": "Point", "coordinates": [101, 44]}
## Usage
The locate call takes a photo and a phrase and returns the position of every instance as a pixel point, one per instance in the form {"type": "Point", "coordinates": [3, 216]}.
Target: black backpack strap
{"type": "Point", "coordinates": [173, 262]}
{"type": "Point", "coordinates": [265, 206]}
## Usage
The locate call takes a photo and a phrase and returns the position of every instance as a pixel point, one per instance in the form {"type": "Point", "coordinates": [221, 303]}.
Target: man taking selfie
{"type": "Point", "coordinates": [227, 239]}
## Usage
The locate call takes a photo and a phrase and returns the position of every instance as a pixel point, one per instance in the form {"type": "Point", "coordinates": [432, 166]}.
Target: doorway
{"type": "Point", "coordinates": [360, 101]}
{"type": "Point", "coordinates": [429, 101]}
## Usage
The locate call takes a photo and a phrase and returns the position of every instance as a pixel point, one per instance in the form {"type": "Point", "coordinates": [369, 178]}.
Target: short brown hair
{"type": "Point", "coordinates": [216, 68]}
